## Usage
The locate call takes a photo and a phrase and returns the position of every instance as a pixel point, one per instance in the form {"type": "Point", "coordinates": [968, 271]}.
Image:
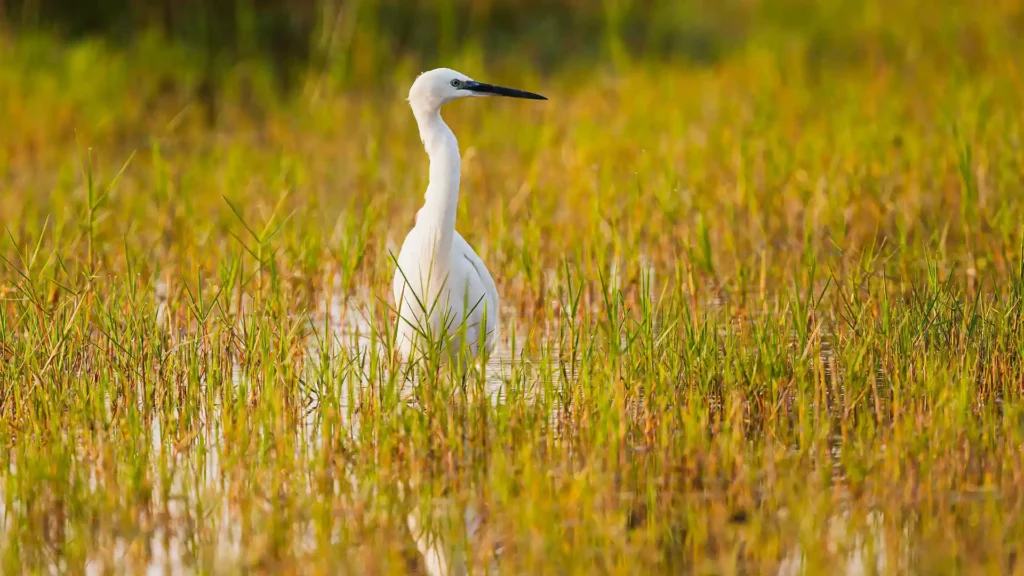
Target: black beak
{"type": "Point", "coordinates": [481, 88]}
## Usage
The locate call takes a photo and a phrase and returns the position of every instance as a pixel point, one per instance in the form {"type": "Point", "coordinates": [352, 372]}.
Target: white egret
{"type": "Point", "coordinates": [441, 286]}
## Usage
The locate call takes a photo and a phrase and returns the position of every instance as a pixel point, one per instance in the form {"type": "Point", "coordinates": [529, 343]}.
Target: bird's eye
{"type": "Point", "coordinates": [456, 83]}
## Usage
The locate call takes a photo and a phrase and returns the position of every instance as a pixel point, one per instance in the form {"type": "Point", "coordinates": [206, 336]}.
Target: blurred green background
{"type": "Point", "coordinates": [360, 40]}
{"type": "Point", "coordinates": [809, 90]}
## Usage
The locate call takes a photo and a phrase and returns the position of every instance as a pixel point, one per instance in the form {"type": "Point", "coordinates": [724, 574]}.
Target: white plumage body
{"type": "Point", "coordinates": [464, 303]}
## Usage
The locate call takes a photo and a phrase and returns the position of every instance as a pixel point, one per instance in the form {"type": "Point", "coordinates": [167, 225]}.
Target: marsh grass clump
{"type": "Point", "coordinates": [758, 315]}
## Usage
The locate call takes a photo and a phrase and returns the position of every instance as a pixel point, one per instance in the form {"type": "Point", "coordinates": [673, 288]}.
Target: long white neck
{"type": "Point", "coordinates": [437, 217]}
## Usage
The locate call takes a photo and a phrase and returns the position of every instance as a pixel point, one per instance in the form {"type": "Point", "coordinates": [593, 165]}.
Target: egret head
{"type": "Point", "coordinates": [442, 85]}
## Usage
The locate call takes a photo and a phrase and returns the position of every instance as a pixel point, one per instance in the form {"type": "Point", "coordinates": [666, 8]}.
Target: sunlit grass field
{"type": "Point", "coordinates": [759, 315]}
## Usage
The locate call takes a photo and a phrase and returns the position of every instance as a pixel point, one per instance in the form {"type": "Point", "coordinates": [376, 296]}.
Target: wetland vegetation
{"type": "Point", "coordinates": [761, 266]}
